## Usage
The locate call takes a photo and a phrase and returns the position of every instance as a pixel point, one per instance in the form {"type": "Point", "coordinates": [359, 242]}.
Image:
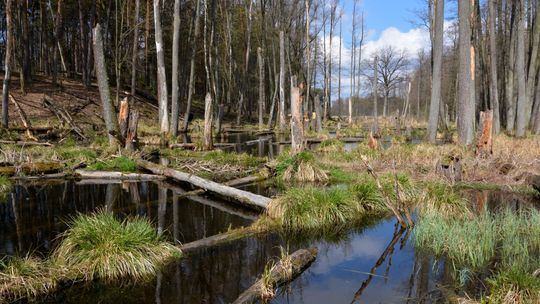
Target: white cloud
{"type": "Point", "coordinates": [411, 41]}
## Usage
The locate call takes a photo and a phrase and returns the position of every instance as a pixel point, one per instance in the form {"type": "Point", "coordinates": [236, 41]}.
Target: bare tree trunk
{"type": "Point", "coordinates": [375, 93]}
{"type": "Point", "coordinates": [103, 83]}
{"type": "Point", "coordinates": [7, 64]}
{"type": "Point", "coordinates": [244, 86]}
{"type": "Point", "coordinates": [318, 112]}
{"type": "Point", "coordinates": [522, 103]}
{"type": "Point", "coordinates": [465, 87]}
{"type": "Point", "coordinates": [282, 117]}
{"type": "Point", "coordinates": [308, 55]}
{"type": "Point", "coordinates": [533, 68]}
{"type": "Point", "coordinates": [437, 67]}
{"type": "Point", "coordinates": [175, 103]}
{"type": "Point", "coordinates": [510, 77]}
{"type": "Point", "coordinates": [135, 49]}
{"type": "Point", "coordinates": [208, 113]}
{"type": "Point", "coordinates": [191, 85]}
{"type": "Point", "coordinates": [161, 77]}
{"type": "Point", "coordinates": [262, 96]}
{"type": "Point", "coordinates": [297, 130]}
{"type": "Point", "coordinates": [339, 64]}
{"type": "Point", "coordinates": [493, 87]}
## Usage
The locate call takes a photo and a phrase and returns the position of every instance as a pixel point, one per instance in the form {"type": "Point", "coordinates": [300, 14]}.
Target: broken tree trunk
{"type": "Point", "coordinates": [484, 146]}
{"type": "Point", "coordinates": [450, 167]}
{"type": "Point", "coordinates": [247, 198]}
{"type": "Point", "coordinates": [283, 272]}
{"type": "Point", "coordinates": [219, 239]}
{"type": "Point", "coordinates": [123, 117]}
{"type": "Point", "coordinates": [23, 117]}
{"type": "Point", "coordinates": [131, 135]}
{"type": "Point", "coordinates": [297, 132]}
{"type": "Point", "coordinates": [208, 113]}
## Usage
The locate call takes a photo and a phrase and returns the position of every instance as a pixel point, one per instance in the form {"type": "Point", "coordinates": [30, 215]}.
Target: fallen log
{"type": "Point", "coordinates": [59, 176]}
{"type": "Point", "coordinates": [283, 272]}
{"type": "Point", "coordinates": [220, 239]}
{"type": "Point", "coordinates": [24, 119]}
{"type": "Point", "coordinates": [31, 169]}
{"type": "Point", "coordinates": [247, 198]}
{"type": "Point", "coordinates": [25, 143]}
{"type": "Point", "coordinates": [112, 175]}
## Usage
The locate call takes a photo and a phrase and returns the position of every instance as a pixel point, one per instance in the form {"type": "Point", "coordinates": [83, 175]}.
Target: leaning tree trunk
{"type": "Point", "coordinates": [437, 66]}
{"type": "Point", "coordinates": [7, 64]}
{"type": "Point", "coordinates": [466, 85]}
{"type": "Point", "coordinates": [161, 77]}
{"type": "Point", "coordinates": [103, 83]}
{"type": "Point", "coordinates": [175, 106]}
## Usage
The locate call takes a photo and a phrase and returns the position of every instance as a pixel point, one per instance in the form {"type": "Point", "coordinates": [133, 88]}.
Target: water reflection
{"type": "Point", "coordinates": [32, 216]}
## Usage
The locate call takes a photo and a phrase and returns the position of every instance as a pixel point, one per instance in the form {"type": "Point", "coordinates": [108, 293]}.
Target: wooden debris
{"type": "Point", "coordinates": [484, 146]}
{"type": "Point", "coordinates": [220, 239]}
{"type": "Point", "coordinates": [117, 175]}
{"type": "Point", "coordinates": [246, 198]}
{"type": "Point", "coordinates": [62, 115]}
{"type": "Point", "coordinates": [450, 168]}
{"type": "Point", "coordinates": [372, 142]}
{"type": "Point", "coordinates": [24, 119]}
{"type": "Point", "coordinates": [283, 272]}
{"type": "Point", "coordinates": [31, 168]}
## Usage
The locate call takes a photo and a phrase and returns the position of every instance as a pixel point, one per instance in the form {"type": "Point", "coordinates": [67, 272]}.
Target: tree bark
{"type": "Point", "coordinates": [282, 117]}
{"type": "Point", "coordinates": [123, 117]}
{"type": "Point", "coordinates": [7, 63]}
{"type": "Point", "coordinates": [466, 84]}
{"type": "Point", "coordinates": [375, 93]}
{"type": "Point", "coordinates": [131, 136]}
{"type": "Point", "coordinates": [522, 103]}
{"type": "Point", "coordinates": [262, 96]}
{"type": "Point", "coordinates": [135, 48]}
{"type": "Point", "coordinates": [493, 85]}
{"type": "Point", "coordinates": [297, 130]}
{"type": "Point", "coordinates": [484, 146]}
{"type": "Point", "coordinates": [161, 76]}
{"type": "Point", "coordinates": [103, 83]}
{"type": "Point", "coordinates": [437, 67]}
{"type": "Point", "coordinates": [191, 85]}
{"type": "Point", "coordinates": [208, 113]}
{"type": "Point", "coordinates": [175, 103]}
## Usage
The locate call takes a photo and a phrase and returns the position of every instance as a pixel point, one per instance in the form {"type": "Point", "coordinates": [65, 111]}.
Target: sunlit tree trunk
{"type": "Point", "coordinates": [437, 66]}
{"type": "Point", "coordinates": [466, 84]}
{"type": "Point", "coordinates": [522, 103]}
{"type": "Point", "coordinates": [175, 102]}
{"type": "Point", "coordinates": [493, 86]}
{"type": "Point", "coordinates": [161, 76]}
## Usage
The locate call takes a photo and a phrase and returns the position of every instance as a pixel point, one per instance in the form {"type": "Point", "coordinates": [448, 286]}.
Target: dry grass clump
{"type": "Point", "coordinates": [100, 246]}
{"type": "Point", "coordinates": [25, 277]}
{"type": "Point", "coordinates": [331, 146]}
{"type": "Point", "coordinates": [301, 168]}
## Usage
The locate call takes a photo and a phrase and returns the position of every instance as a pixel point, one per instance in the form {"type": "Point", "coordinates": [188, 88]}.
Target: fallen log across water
{"type": "Point", "coordinates": [246, 198]}
{"type": "Point", "coordinates": [283, 272]}
{"type": "Point", "coordinates": [220, 239]}
{"type": "Point", "coordinates": [113, 175]}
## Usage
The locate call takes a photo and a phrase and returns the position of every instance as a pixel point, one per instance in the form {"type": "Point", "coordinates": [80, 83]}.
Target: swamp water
{"type": "Point", "coordinates": [373, 264]}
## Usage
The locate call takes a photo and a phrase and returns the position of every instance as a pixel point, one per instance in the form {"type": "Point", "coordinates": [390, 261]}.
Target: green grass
{"type": "Point", "coordinates": [100, 246]}
{"type": "Point", "coordinates": [238, 159]}
{"type": "Point", "coordinates": [122, 163]}
{"type": "Point", "coordinates": [301, 167]}
{"type": "Point", "coordinates": [505, 246]}
{"type": "Point", "coordinates": [5, 187]}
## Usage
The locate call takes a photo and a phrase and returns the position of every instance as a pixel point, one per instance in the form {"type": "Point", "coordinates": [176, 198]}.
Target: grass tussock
{"type": "Point", "coordinates": [301, 167]}
{"type": "Point", "coordinates": [25, 277]}
{"type": "Point", "coordinates": [100, 246]}
{"type": "Point", "coordinates": [512, 287]}
{"type": "Point", "coordinates": [121, 163]}
{"type": "Point", "coordinates": [311, 209]}
{"type": "Point", "coordinates": [331, 146]}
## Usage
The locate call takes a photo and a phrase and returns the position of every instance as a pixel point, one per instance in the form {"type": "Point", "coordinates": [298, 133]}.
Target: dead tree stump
{"type": "Point", "coordinates": [123, 117]}
{"type": "Point", "coordinates": [208, 145]}
{"type": "Point", "coordinates": [372, 141]}
{"type": "Point", "coordinates": [484, 146]}
{"type": "Point", "coordinates": [450, 168]}
{"type": "Point", "coordinates": [131, 133]}
{"type": "Point", "coordinates": [297, 130]}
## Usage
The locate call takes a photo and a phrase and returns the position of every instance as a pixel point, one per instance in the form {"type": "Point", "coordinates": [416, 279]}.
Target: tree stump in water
{"type": "Point", "coordinates": [484, 146]}
{"type": "Point", "coordinates": [450, 168]}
